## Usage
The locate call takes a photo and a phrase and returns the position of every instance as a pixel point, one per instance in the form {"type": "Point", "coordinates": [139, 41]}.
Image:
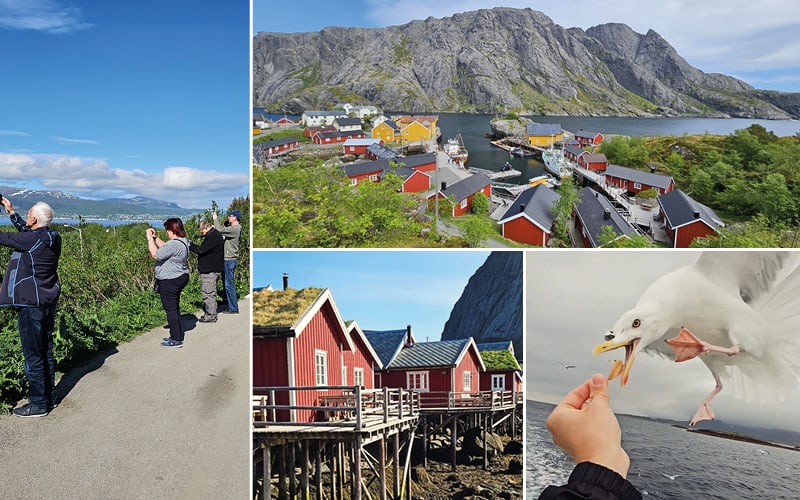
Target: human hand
{"type": "Point", "coordinates": [585, 427]}
{"type": "Point", "coordinates": [151, 233]}
{"type": "Point", "coordinates": [214, 215]}
{"type": "Point", "coordinates": [7, 205]}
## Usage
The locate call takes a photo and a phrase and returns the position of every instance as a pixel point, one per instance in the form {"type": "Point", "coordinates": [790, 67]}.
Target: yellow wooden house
{"type": "Point", "coordinates": [387, 131]}
{"type": "Point", "coordinates": [544, 134]}
{"type": "Point", "coordinates": [417, 128]}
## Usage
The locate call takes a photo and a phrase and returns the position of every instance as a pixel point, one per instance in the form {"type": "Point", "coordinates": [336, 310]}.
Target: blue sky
{"type": "Point", "coordinates": [104, 99]}
{"type": "Point", "coordinates": [382, 290]}
{"type": "Point", "coordinates": [754, 41]}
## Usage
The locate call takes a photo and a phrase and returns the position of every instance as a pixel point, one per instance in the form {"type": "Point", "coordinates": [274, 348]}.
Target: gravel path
{"type": "Point", "coordinates": [142, 421]}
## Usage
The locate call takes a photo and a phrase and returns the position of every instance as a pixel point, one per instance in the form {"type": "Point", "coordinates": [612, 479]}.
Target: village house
{"type": "Point", "coordinates": [425, 162]}
{"type": "Point", "coordinates": [593, 213]}
{"type": "Point", "coordinates": [530, 218]}
{"type": "Point", "coordinates": [462, 192]}
{"type": "Point", "coordinates": [261, 122]}
{"type": "Point", "coordinates": [277, 147]}
{"type": "Point", "coordinates": [310, 132]}
{"type": "Point", "coordinates": [686, 219]}
{"type": "Point", "coordinates": [588, 139]}
{"type": "Point", "coordinates": [437, 370]}
{"type": "Point", "coordinates": [387, 131]}
{"type": "Point", "coordinates": [358, 111]}
{"type": "Point", "coordinates": [593, 161]}
{"type": "Point", "coordinates": [362, 362]}
{"type": "Point", "coordinates": [358, 146]}
{"type": "Point", "coordinates": [572, 152]}
{"type": "Point", "coordinates": [321, 118]}
{"type": "Point", "coordinates": [300, 340]}
{"type": "Point", "coordinates": [413, 181]}
{"type": "Point", "coordinates": [633, 181]}
{"type": "Point", "coordinates": [503, 372]}
{"type": "Point", "coordinates": [417, 128]}
{"type": "Point", "coordinates": [381, 152]}
{"type": "Point", "coordinates": [347, 124]}
{"type": "Point", "coordinates": [284, 121]}
{"type": "Point", "coordinates": [544, 134]}
{"type": "Point", "coordinates": [387, 345]}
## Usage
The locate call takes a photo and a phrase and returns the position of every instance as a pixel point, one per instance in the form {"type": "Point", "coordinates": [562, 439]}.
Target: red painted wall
{"type": "Point", "coordinates": [524, 231]}
{"type": "Point", "coordinates": [361, 358]}
{"type": "Point", "coordinates": [686, 234]}
{"type": "Point", "coordinates": [470, 362]}
{"type": "Point", "coordinates": [416, 183]}
{"type": "Point", "coordinates": [270, 369]}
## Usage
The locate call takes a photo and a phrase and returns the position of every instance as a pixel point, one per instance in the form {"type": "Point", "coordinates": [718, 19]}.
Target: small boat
{"type": "Point", "coordinates": [454, 148]}
{"type": "Point", "coordinates": [517, 151]}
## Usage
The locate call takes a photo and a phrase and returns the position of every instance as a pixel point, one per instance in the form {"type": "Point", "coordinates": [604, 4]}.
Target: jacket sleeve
{"type": "Point", "coordinates": [19, 222]}
{"type": "Point", "coordinates": [590, 481]}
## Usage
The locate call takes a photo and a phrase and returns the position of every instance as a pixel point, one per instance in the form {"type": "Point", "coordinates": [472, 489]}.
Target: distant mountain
{"type": "Point", "coordinates": [67, 206]}
{"type": "Point", "coordinates": [498, 60]}
{"type": "Point", "coordinates": [490, 307]}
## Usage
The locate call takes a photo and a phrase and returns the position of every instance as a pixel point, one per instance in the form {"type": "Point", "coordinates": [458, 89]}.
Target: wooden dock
{"type": "Point", "coordinates": [346, 419]}
{"type": "Point", "coordinates": [492, 174]}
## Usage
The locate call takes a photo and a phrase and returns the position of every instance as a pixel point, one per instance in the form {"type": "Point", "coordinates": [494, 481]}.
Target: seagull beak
{"type": "Point", "coordinates": [630, 353]}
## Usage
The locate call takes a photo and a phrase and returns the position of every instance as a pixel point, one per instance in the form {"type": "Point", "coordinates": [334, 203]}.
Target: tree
{"type": "Point", "coordinates": [562, 209]}
{"type": "Point", "coordinates": [755, 233]}
{"type": "Point", "coordinates": [480, 204]}
{"type": "Point", "coordinates": [609, 238]}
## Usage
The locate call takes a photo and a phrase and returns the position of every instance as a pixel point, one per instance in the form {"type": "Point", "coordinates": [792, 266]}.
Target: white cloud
{"type": "Point", "coordinates": [47, 16]}
{"type": "Point", "coordinates": [189, 187]}
{"type": "Point", "coordinates": [14, 133]}
{"type": "Point", "coordinates": [67, 140]}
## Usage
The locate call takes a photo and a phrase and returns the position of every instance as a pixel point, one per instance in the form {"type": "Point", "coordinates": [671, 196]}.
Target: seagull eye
{"type": "Point", "coordinates": [636, 323]}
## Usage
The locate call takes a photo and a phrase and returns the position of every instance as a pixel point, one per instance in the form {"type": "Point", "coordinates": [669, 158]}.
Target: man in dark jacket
{"type": "Point", "coordinates": [31, 286]}
{"type": "Point", "coordinates": [210, 265]}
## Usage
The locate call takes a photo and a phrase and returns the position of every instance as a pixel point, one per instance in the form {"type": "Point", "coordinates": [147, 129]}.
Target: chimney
{"type": "Point", "coordinates": [652, 169]}
{"type": "Point", "coordinates": [285, 281]}
{"type": "Point", "coordinates": [444, 185]}
{"type": "Point", "coordinates": [521, 207]}
{"type": "Point", "coordinates": [607, 214]}
{"type": "Point", "coordinates": [409, 340]}
{"type": "Point", "coordinates": [696, 214]}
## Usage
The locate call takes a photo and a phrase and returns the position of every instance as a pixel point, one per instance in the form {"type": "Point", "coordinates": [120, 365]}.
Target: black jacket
{"type": "Point", "coordinates": [31, 277]}
{"type": "Point", "coordinates": [590, 481]}
{"type": "Point", "coordinates": [211, 253]}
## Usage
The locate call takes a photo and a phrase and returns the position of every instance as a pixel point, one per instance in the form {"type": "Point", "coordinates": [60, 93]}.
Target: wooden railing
{"type": "Point", "coordinates": [334, 406]}
{"type": "Point", "coordinates": [482, 399]}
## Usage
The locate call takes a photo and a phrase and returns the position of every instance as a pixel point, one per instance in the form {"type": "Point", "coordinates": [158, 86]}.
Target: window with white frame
{"type": "Point", "coordinates": [358, 377]}
{"type": "Point", "coordinates": [321, 367]}
{"type": "Point", "coordinates": [467, 381]}
{"type": "Point", "coordinates": [373, 177]}
{"type": "Point", "coordinates": [637, 185]}
{"type": "Point", "coordinates": [463, 204]}
{"type": "Point", "coordinates": [417, 381]}
{"type": "Point", "coordinates": [354, 182]}
{"type": "Point", "coordinates": [498, 382]}
{"type": "Point", "coordinates": [344, 375]}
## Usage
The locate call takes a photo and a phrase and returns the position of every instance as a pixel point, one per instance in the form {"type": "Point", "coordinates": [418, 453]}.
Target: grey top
{"type": "Point", "coordinates": [231, 234]}
{"type": "Point", "coordinates": [171, 259]}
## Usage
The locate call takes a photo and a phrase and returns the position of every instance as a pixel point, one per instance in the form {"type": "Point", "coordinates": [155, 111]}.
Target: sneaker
{"type": "Point", "coordinates": [207, 320]}
{"type": "Point", "coordinates": [30, 410]}
{"type": "Point", "coordinates": [172, 343]}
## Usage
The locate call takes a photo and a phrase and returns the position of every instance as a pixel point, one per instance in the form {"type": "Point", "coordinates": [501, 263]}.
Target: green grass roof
{"type": "Point", "coordinates": [283, 307]}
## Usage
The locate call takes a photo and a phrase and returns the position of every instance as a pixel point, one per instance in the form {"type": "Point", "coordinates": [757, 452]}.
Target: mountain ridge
{"type": "Point", "coordinates": [68, 206]}
{"type": "Point", "coordinates": [495, 61]}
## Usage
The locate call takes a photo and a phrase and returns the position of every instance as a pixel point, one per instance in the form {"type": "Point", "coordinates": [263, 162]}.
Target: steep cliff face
{"type": "Point", "coordinates": [490, 307]}
{"type": "Point", "coordinates": [494, 60]}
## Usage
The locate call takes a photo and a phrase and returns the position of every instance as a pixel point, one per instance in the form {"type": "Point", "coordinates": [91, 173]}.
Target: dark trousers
{"type": "Point", "coordinates": [170, 292]}
{"type": "Point", "coordinates": [230, 285]}
{"type": "Point", "coordinates": [36, 334]}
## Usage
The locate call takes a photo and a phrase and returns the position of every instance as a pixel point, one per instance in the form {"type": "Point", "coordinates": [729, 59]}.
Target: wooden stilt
{"type": "Point", "coordinates": [318, 470]}
{"type": "Point", "coordinates": [453, 437]}
{"type": "Point", "coordinates": [425, 442]}
{"type": "Point", "coordinates": [332, 467]}
{"type": "Point", "coordinates": [267, 484]}
{"type": "Point", "coordinates": [396, 451]}
{"type": "Point", "coordinates": [342, 468]}
{"type": "Point", "coordinates": [291, 462]}
{"type": "Point", "coordinates": [305, 493]}
{"type": "Point", "coordinates": [485, 442]}
{"type": "Point", "coordinates": [382, 467]}
{"type": "Point", "coordinates": [356, 473]}
{"type": "Point", "coordinates": [282, 472]}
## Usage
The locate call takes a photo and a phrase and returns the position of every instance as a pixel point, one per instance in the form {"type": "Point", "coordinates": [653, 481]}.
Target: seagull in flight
{"type": "Point", "coordinates": [671, 477]}
{"type": "Point", "coordinates": [566, 366]}
{"type": "Point", "coordinates": [739, 312]}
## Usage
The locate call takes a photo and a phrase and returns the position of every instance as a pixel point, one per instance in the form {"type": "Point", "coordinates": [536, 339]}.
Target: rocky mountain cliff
{"type": "Point", "coordinates": [490, 307]}
{"type": "Point", "coordinates": [498, 60]}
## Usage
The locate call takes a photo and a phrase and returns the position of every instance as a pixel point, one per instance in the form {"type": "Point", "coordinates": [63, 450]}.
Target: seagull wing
{"type": "Point", "coordinates": [749, 275]}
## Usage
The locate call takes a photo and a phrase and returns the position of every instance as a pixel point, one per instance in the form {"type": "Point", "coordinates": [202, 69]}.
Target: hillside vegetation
{"type": "Point", "coordinates": [106, 299]}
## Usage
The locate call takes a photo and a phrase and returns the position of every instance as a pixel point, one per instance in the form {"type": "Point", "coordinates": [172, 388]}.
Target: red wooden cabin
{"type": "Point", "coordinates": [503, 372]}
{"type": "Point", "coordinates": [530, 218]}
{"type": "Point", "coordinates": [686, 219]}
{"type": "Point", "coordinates": [586, 138]}
{"type": "Point", "coordinates": [633, 180]}
{"type": "Point", "coordinates": [463, 191]}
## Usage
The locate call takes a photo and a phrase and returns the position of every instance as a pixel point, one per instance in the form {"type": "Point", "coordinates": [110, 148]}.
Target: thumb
{"type": "Point", "coordinates": [599, 387]}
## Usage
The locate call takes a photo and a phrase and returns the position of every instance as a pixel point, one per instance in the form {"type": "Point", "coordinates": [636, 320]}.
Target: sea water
{"type": "Point", "coordinates": [704, 466]}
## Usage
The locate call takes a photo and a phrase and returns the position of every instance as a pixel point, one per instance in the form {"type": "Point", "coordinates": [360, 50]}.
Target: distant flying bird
{"type": "Point", "coordinates": [568, 367]}
{"type": "Point", "coordinates": [671, 477]}
{"type": "Point", "coordinates": [738, 311]}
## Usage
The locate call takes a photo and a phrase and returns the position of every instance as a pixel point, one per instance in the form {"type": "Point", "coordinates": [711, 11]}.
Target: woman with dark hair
{"type": "Point", "coordinates": [172, 274]}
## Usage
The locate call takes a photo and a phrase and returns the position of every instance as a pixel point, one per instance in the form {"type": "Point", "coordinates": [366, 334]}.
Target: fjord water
{"type": "Point", "coordinates": [474, 129]}
{"type": "Point", "coordinates": [703, 466]}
